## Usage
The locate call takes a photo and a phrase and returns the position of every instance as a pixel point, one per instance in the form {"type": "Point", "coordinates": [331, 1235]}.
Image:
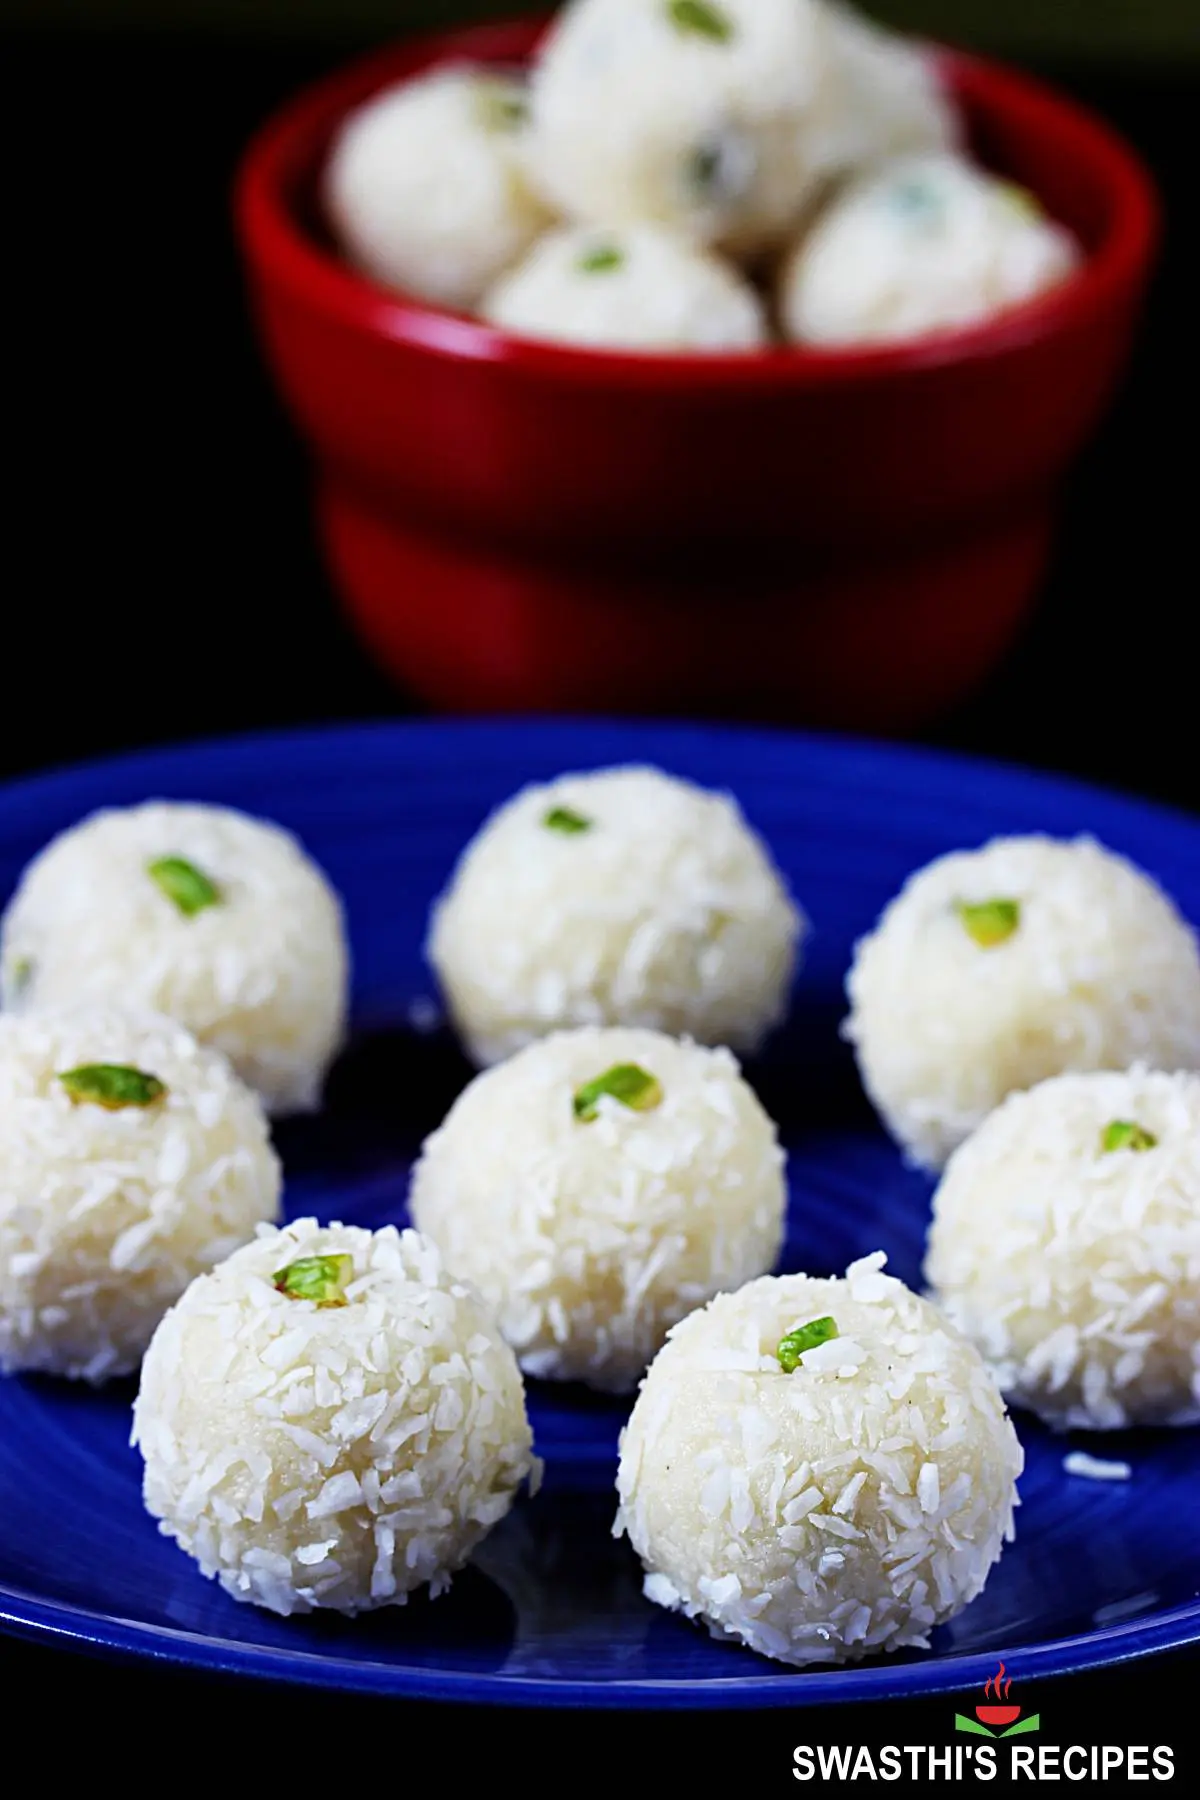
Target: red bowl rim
{"type": "Point", "coordinates": [281, 250]}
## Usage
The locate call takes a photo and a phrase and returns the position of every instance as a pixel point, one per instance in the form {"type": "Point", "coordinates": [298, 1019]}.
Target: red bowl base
{"type": "Point", "coordinates": [882, 645]}
{"type": "Point", "coordinates": [997, 1715]}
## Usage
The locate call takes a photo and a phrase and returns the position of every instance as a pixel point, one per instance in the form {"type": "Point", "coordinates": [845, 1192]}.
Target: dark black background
{"type": "Point", "coordinates": [161, 582]}
{"type": "Point", "coordinates": [161, 575]}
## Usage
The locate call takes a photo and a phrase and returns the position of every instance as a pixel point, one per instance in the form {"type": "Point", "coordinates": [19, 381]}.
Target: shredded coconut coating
{"type": "Point", "coordinates": [667, 913]}
{"type": "Point", "coordinates": [425, 187]}
{"type": "Point", "coordinates": [1095, 1468]}
{"type": "Point", "coordinates": [262, 976]}
{"type": "Point", "coordinates": [592, 1238]}
{"type": "Point", "coordinates": [828, 1514]}
{"type": "Point", "coordinates": [662, 294]}
{"type": "Point", "coordinates": [1077, 1271]}
{"type": "Point", "coordinates": [331, 1456]}
{"type": "Point", "coordinates": [921, 244]}
{"type": "Point", "coordinates": [1102, 972]}
{"type": "Point", "coordinates": [105, 1217]}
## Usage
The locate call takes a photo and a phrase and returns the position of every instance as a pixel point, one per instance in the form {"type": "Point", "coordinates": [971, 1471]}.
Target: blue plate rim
{"type": "Point", "coordinates": [24, 1615]}
{"type": "Point", "coordinates": [845, 748]}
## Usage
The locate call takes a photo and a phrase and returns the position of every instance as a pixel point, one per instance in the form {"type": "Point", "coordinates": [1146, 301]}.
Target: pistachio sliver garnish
{"type": "Point", "coordinates": [185, 884]}
{"type": "Point", "coordinates": [805, 1337]}
{"type": "Point", "coordinates": [1017, 199]}
{"type": "Point", "coordinates": [112, 1086]}
{"type": "Point", "coordinates": [566, 820]}
{"type": "Point", "coordinates": [321, 1279]}
{"type": "Point", "coordinates": [501, 106]}
{"type": "Point", "coordinates": [602, 259]}
{"type": "Point", "coordinates": [20, 977]}
{"type": "Point", "coordinates": [989, 922]}
{"type": "Point", "coordinates": [1125, 1134]}
{"type": "Point", "coordinates": [915, 198]}
{"type": "Point", "coordinates": [700, 18]}
{"type": "Point", "coordinates": [625, 1082]}
{"type": "Point", "coordinates": [704, 166]}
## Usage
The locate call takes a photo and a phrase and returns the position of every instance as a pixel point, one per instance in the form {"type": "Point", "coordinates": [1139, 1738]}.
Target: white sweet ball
{"type": "Point", "coordinates": [259, 973]}
{"type": "Point", "coordinates": [636, 288]}
{"type": "Point", "coordinates": [882, 96]}
{"type": "Point", "coordinates": [1066, 1244]}
{"type": "Point", "coordinates": [921, 245]}
{"type": "Point", "coordinates": [994, 969]}
{"type": "Point", "coordinates": [833, 1512]}
{"type": "Point", "coordinates": [591, 1235]}
{"type": "Point", "coordinates": [424, 186]}
{"type": "Point", "coordinates": [107, 1211]}
{"type": "Point", "coordinates": [336, 1453]}
{"type": "Point", "coordinates": [693, 114]}
{"type": "Point", "coordinates": [653, 904]}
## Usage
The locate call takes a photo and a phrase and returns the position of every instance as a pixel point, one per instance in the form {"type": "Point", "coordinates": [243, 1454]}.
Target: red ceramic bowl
{"type": "Point", "coordinates": [844, 538]}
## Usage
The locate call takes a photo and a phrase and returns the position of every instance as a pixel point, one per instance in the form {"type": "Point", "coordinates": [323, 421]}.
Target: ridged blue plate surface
{"type": "Point", "coordinates": [552, 1613]}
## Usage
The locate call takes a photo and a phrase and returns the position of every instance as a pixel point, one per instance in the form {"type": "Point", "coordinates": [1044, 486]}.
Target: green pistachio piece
{"type": "Point", "coordinates": [704, 168]}
{"type": "Point", "coordinates": [915, 199]}
{"type": "Point", "coordinates": [1019, 200]}
{"type": "Point", "coordinates": [603, 259]}
{"type": "Point", "coordinates": [625, 1082]}
{"type": "Point", "coordinates": [1123, 1134]}
{"type": "Point", "coordinates": [185, 884]}
{"type": "Point", "coordinates": [990, 922]}
{"type": "Point", "coordinates": [502, 106]}
{"type": "Point", "coordinates": [319, 1278]}
{"type": "Point", "coordinates": [566, 821]}
{"type": "Point", "coordinates": [111, 1085]}
{"type": "Point", "coordinates": [805, 1337]}
{"type": "Point", "coordinates": [699, 18]}
{"type": "Point", "coordinates": [20, 977]}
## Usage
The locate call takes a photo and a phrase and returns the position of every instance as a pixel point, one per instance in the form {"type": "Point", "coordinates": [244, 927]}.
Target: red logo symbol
{"type": "Point", "coordinates": [998, 1717]}
{"type": "Point", "coordinates": [999, 1712]}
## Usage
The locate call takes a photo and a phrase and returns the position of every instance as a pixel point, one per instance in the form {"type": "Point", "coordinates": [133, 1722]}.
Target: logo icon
{"type": "Point", "coordinates": [999, 1715]}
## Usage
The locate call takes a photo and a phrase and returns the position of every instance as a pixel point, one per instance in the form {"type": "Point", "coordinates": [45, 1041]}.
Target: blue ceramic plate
{"type": "Point", "coordinates": [551, 1612]}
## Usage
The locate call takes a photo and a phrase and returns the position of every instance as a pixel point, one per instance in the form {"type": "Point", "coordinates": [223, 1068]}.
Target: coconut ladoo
{"type": "Point", "coordinates": [330, 1421]}
{"type": "Point", "coordinates": [620, 897]}
{"type": "Point", "coordinates": [1066, 1245]}
{"type": "Point", "coordinates": [131, 1160]}
{"type": "Point", "coordinates": [598, 1186]}
{"type": "Point", "coordinates": [692, 114]}
{"type": "Point", "coordinates": [640, 288]}
{"type": "Point", "coordinates": [820, 1469]}
{"type": "Point", "coordinates": [997, 968]}
{"type": "Point", "coordinates": [425, 187]}
{"type": "Point", "coordinates": [921, 244]}
{"type": "Point", "coordinates": [216, 919]}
